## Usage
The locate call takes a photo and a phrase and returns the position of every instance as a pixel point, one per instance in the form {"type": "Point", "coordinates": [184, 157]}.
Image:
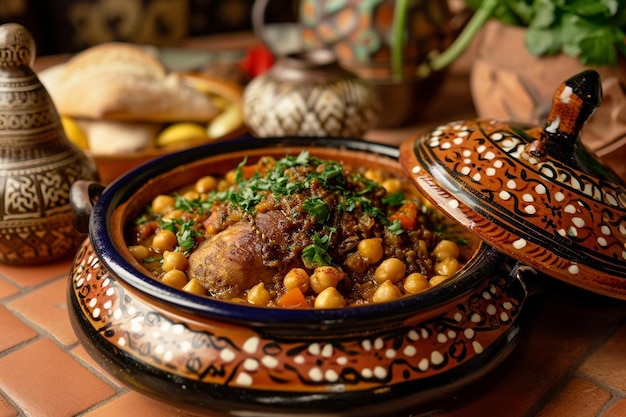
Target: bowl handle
{"type": "Point", "coordinates": [530, 280]}
{"type": "Point", "coordinates": [83, 197]}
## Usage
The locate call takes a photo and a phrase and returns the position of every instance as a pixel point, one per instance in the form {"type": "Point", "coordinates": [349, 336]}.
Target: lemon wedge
{"type": "Point", "coordinates": [74, 133]}
{"type": "Point", "coordinates": [180, 133]}
{"type": "Point", "coordinates": [226, 121]}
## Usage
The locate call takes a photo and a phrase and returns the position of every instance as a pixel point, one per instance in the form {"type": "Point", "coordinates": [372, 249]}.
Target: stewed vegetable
{"type": "Point", "coordinates": [298, 232]}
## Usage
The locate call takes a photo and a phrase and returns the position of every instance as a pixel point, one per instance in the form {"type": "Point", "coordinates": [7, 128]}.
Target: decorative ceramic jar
{"type": "Point", "coordinates": [309, 94]}
{"type": "Point", "coordinates": [541, 206]}
{"type": "Point", "coordinates": [38, 165]}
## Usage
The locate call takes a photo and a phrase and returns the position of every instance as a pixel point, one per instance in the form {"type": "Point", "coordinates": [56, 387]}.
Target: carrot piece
{"type": "Point", "coordinates": [407, 214]}
{"type": "Point", "coordinates": [248, 171]}
{"type": "Point", "coordinates": [293, 298]}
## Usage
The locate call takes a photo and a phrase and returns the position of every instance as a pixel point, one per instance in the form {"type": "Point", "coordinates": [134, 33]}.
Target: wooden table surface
{"type": "Point", "coordinates": [571, 360]}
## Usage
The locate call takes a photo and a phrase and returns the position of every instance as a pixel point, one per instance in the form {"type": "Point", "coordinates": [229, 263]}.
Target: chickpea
{"type": "Point", "coordinates": [163, 204]}
{"type": "Point", "coordinates": [391, 269]}
{"type": "Point", "coordinates": [206, 184]}
{"type": "Point", "coordinates": [164, 240]}
{"type": "Point", "coordinates": [175, 278]}
{"type": "Point", "coordinates": [324, 277]}
{"type": "Point", "coordinates": [259, 295]}
{"type": "Point", "coordinates": [392, 185]}
{"type": "Point", "coordinates": [297, 277]}
{"type": "Point", "coordinates": [173, 214]}
{"type": "Point", "coordinates": [191, 195]}
{"type": "Point", "coordinates": [194, 287]}
{"type": "Point", "coordinates": [329, 298]}
{"type": "Point", "coordinates": [437, 279]}
{"type": "Point", "coordinates": [446, 249]}
{"type": "Point", "coordinates": [415, 283]}
{"type": "Point", "coordinates": [371, 249]}
{"type": "Point", "coordinates": [447, 267]}
{"type": "Point", "coordinates": [174, 260]}
{"type": "Point", "coordinates": [266, 162]}
{"type": "Point", "coordinates": [386, 292]}
{"type": "Point", "coordinates": [139, 252]}
{"type": "Point", "coordinates": [231, 177]}
{"type": "Point", "coordinates": [374, 175]}
{"type": "Point", "coordinates": [222, 185]}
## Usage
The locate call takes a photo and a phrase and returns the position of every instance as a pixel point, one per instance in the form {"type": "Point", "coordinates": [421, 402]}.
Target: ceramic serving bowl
{"type": "Point", "coordinates": [204, 354]}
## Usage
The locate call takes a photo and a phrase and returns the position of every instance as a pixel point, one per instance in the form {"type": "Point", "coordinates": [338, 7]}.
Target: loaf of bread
{"type": "Point", "coordinates": [124, 82]}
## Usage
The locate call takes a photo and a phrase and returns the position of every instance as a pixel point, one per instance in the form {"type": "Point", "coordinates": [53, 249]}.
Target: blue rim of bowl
{"type": "Point", "coordinates": [485, 260]}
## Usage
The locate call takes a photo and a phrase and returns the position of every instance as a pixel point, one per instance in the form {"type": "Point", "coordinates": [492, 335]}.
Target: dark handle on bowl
{"type": "Point", "coordinates": [83, 197]}
{"type": "Point", "coordinates": [528, 278]}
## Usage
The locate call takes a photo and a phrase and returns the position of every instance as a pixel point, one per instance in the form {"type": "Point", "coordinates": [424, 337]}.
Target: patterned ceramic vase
{"type": "Point", "coordinates": [310, 94]}
{"type": "Point", "coordinates": [38, 164]}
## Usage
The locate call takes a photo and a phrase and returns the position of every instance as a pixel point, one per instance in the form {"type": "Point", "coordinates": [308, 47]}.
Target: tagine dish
{"type": "Point", "coordinates": [280, 304]}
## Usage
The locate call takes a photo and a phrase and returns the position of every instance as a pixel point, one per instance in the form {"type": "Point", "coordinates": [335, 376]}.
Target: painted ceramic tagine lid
{"type": "Point", "coordinates": [535, 194]}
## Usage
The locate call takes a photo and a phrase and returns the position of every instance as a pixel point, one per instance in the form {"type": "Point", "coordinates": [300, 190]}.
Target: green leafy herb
{"type": "Point", "coordinates": [143, 219]}
{"type": "Point", "coordinates": [192, 206]}
{"type": "Point", "coordinates": [395, 227]}
{"type": "Point", "coordinates": [394, 199]}
{"type": "Point", "coordinates": [186, 236]}
{"type": "Point", "coordinates": [152, 259]}
{"type": "Point", "coordinates": [592, 31]}
{"type": "Point", "coordinates": [184, 231]}
{"type": "Point", "coordinates": [316, 253]}
{"type": "Point", "coordinates": [318, 208]}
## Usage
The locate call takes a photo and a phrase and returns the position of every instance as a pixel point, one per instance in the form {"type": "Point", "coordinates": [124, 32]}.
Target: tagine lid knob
{"type": "Point", "coordinates": [536, 194]}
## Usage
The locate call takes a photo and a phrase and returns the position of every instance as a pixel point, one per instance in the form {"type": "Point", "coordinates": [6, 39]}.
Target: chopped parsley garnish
{"type": "Point", "coordinates": [394, 199]}
{"type": "Point", "coordinates": [317, 208]}
{"type": "Point", "coordinates": [184, 231]}
{"type": "Point", "coordinates": [395, 227]}
{"type": "Point", "coordinates": [316, 253]}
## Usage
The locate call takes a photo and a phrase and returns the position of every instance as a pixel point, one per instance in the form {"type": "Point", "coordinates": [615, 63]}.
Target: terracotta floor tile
{"type": "Point", "coordinates": [617, 409]}
{"type": "Point", "coordinates": [47, 307]}
{"type": "Point", "coordinates": [135, 404]}
{"type": "Point", "coordinates": [13, 330]}
{"type": "Point", "coordinates": [32, 276]}
{"type": "Point", "coordinates": [80, 352]}
{"type": "Point", "coordinates": [45, 381]}
{"type": "Point", "coordinates": [6, 409]}
{"type": "Point", "coordinates": [580, 398]}
{"type": "Point", "coordinates": [601, 364]}
{"type": "Point", "coordinates": [7, 289]}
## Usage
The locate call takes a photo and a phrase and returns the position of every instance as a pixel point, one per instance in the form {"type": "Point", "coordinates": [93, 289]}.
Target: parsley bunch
{"type": "Point", "coordinates": [593, 31]}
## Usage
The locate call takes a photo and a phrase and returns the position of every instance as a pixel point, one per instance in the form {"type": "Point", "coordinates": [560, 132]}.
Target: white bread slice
{"type": "Point", "coordinates": [109, 137]}
{"type": "Point", "coordinates": [119, 81]}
